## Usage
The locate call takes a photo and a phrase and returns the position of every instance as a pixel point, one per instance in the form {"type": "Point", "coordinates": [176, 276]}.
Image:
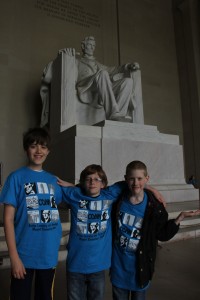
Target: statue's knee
{"type": "Point", "coordinates": [104, 73]}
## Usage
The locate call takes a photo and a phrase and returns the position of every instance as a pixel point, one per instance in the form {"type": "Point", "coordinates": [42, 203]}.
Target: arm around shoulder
{"type": "Point", "coordinates": [157, 194]}
{"type": "Point", "coordinates": [64, 183]}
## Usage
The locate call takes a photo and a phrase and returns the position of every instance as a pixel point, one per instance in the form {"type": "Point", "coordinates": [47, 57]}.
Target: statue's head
{"type": "Point", "coordinates": [88, 45]}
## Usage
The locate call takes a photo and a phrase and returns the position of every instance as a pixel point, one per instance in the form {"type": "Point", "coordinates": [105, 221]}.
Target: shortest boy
{"type": "Point", "coordinates": [31, 221]}
{"type": "Point", "coordinates": [140, 220]}
{"type": "Point", "coordinates": [89, 247]}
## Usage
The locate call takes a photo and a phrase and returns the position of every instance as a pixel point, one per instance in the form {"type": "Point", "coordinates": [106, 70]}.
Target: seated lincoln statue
{"type": "Point", "coordinates": [114, 90]}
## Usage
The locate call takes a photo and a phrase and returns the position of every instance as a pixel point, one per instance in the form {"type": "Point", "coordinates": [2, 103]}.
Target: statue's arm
{"type": "Point", "coordinates": [47, 73]}
{"type": "Point", "coordinates": [118, 72]}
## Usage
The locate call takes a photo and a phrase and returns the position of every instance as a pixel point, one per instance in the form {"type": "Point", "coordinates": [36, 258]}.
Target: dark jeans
{"type": "Point", "coordinates": [85, 286]}
{"type": "Point", "coordinates": [121, 294]}
{"type": "Point", "coordinates": [20, 289]}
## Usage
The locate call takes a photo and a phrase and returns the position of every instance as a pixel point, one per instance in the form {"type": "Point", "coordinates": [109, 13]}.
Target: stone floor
{"type": "Point", "coordinates": [177, 275]}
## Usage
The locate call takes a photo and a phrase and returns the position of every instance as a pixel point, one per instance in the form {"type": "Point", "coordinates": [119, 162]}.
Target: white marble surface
{"type": "Point", "coordinates": [135, 132]}
{"type": "Point", "coordinates": [164, 161]}
{"type": "Point", "coordinates": [178, 193]}
{"type": "Point", "coordinates": [87, 151]}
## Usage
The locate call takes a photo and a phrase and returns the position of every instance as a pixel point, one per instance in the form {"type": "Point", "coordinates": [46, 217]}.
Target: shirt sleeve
{"type": "Point", "coordinates": [9, 191]}
{"type": "Point", "coordinates": [165, 229]}
{"type": "Point", "coordinates": [68, 193]}
{"type": "Point", "coordinates": [59, 194]}
{"type": "Point", "coordinates": [116, 189]}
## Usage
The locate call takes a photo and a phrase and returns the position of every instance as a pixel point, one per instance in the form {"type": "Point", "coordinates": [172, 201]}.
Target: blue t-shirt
{"type": "Point", "coordinates": [123, 267]}
{"type": "Point", "coordinates": [89, 247]}
{"type": "Point", "coordinates": [35, 195]}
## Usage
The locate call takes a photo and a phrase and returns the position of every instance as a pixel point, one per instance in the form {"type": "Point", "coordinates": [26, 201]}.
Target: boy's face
{"type": "Point", "coordinates": [37, 155]}
{"type": "Point", "coordinates": [136, 181]}
{"type": "Point", "coordinates": [93, 185]}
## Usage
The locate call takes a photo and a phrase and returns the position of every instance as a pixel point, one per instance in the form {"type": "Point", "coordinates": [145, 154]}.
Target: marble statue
{"type": "Point", "coordinates": [113, 88]}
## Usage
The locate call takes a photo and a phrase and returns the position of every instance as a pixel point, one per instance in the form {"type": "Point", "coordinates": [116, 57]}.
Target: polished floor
{"type": "Point", "coordinates": [177, 275]}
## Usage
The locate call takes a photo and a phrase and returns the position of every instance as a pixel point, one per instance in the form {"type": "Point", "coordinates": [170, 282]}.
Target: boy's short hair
{"type": "Point", "coordinates": [92, 169]}
{"type": "Point", "coordinates": [36, 135]}
{"type": "Point", "coordinates": [136, 165]}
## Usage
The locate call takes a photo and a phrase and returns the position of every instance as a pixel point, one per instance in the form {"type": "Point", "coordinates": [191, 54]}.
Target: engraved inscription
{"type": "Point", "coordinates": [68, 11]}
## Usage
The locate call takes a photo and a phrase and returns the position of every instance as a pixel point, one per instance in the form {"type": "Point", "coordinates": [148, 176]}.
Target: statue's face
{"type": "Point", "coordinates": [89, 48]}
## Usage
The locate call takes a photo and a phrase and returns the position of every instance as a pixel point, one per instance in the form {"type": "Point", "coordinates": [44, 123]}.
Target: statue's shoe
{"type": "Point", "coordinates": [120, 117]}
{"type": "Point", "coordinates": [116, 116]}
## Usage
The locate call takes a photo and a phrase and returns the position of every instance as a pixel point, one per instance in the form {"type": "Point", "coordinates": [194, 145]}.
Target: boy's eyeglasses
{"type": "Point", "coordinates": [93, 179]}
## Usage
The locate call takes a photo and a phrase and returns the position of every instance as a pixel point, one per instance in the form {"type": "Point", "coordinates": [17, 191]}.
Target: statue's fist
{"type": "Point", "coordinates": [134, 66]}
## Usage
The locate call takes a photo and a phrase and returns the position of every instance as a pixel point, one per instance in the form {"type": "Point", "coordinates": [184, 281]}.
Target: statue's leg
{"type": "Point", "coordinates": [122, 89]}
{"type": "Point", "coordinates": [106, 95]}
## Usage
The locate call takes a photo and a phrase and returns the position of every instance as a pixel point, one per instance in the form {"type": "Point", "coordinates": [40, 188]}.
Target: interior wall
{"type": "Point", "coordinates": [32, 32]}
{"type": "Point", "coordinates": [187, 30]}
{"type": "Point", "coordinates": [147, 36]}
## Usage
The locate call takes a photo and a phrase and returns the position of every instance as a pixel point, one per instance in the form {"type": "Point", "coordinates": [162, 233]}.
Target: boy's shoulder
{"type": "Point", "coordinates": [76, 189]}
{"type": "Point", "coordinates": [117, 186]}
{"type": "Point", "coordinates": [154, 203]}
{"type": "Point", "coordinates": [47, 173]}
{"type": "Point", "coordinates": [25, 171]}
{"type": "Point", "coordinates": [18, 171]}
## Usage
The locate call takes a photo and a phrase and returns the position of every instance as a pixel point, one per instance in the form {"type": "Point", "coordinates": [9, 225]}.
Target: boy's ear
{"type": "Point", "coordinates": [103, 185]}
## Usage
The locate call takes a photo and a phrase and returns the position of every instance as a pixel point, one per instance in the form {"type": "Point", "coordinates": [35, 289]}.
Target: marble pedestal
{"type": "Point", "coordinates": [113, 145]}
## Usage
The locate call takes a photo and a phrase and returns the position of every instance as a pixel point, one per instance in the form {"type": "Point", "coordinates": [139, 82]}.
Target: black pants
{"type": "Point", "coordinates": [20, 289]}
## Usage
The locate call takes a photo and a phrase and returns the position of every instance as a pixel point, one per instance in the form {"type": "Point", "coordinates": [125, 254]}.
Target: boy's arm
{"type": "Point", "coordinates": [185, 214]}
{"type": "Point", "coordinates": [157, 194]}
{"type": "Point", "coordinates": [17, 266]}
{"type": "Point", "coordinates": [64, 183]}
{"type": "Point", "coordinates": [166, 229]}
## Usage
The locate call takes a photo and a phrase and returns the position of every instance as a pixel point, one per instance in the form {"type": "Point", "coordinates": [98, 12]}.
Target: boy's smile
{"type": "Point", "coordinates": [37, 155]}
{"type": "Point", "coordinates": [93, 185]}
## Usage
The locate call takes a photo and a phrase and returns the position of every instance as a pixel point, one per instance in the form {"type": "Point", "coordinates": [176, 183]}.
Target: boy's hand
{"type": "Point", "coordinates": [17, 267]}
{"type": "Point", "coordinates": [185, 214]}
{"type": "Point", "coordinates": [157, 194]}
{"type": "Point", "coordinates": [64, 183]}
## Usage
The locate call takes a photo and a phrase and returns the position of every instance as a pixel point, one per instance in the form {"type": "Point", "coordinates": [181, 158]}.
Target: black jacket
{"type": "Point", "coordinates": [156, 226]}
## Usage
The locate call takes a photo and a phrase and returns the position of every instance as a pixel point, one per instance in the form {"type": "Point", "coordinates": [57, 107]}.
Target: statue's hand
{"type": "Point", "coordinates": [68, 51]}
{"type": "Point", "coordinates": [133, 66]}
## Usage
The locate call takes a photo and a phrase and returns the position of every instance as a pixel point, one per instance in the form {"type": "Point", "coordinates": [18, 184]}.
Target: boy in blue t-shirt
{"type": "Point", "coordinates": [89, 246]}
{"type": "Point", "coordinates": [139, 221]}
{"type": "Point", "coordinates": [31, 220]}
{"type": "Point", "coordinates": [90, 240]}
